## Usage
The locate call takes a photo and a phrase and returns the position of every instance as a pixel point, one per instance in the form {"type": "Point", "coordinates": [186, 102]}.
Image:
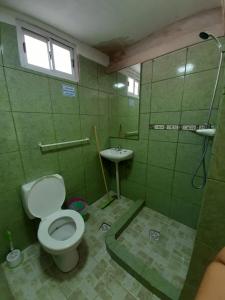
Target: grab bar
{"type": "Point", "coordinates": [54, 146]}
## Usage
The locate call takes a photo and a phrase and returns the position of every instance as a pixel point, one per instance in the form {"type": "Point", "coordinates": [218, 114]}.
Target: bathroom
{"type": "Point", "coordinates": [112, 159]}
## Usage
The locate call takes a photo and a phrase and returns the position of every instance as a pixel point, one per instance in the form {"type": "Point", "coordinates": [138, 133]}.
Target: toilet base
{"type": "Point", "coordinates": [67, 261]}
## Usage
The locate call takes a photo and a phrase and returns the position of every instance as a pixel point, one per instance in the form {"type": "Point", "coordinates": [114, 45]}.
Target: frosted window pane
{"type": "Point", "coordinates": [62, 59]}
{"type": "Point", "coordinates": [37, 52]}
{"type": "Point", "coordinates": [131, 85]}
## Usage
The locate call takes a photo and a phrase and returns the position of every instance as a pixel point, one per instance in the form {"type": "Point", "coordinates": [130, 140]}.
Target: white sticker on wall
{"type": "Point", "coordinates": [68, 90]}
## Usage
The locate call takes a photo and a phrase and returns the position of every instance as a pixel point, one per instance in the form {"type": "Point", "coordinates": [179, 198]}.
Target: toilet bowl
{"type": "Point", "coordinates": [60, 231]}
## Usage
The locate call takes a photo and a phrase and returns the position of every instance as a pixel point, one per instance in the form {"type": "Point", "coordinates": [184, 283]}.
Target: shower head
{"type": "Point", "coordinates": [204, 35]}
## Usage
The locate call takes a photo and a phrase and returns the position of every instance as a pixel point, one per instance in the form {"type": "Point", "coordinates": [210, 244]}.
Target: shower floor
{"type": "Point", "coordinates": [97, 276]}
{"type": "Point", "coordinates": [169, 252]}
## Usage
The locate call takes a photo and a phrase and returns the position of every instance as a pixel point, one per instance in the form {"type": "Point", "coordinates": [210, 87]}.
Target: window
{"type": "Point", "coordinates": [133, 86]}
{"type": "Point", "coordinates": [41, 51]}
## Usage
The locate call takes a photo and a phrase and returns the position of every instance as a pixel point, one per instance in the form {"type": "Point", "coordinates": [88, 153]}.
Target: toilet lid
{"type": "Point", "coordinates": [46, 196]}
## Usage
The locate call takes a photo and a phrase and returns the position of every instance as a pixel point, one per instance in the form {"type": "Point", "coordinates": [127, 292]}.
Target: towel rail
{"type": "Point", "coordinates": [48, 147]}
{"type": "Point", "coordinates": [131, 133]}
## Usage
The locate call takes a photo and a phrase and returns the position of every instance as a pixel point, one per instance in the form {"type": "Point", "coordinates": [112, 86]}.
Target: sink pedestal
{"type": "Point", "coordinates": [116, 155]}
{"type": "Point", "coordinates": [117, 181]}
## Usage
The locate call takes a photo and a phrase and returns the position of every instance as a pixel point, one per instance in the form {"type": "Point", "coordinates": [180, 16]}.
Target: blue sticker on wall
{"type": "Point", "coordinates": [68, 90]}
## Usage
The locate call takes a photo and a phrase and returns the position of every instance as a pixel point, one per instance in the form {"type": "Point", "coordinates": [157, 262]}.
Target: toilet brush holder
{"type": "Point", "coordinates": [14, 258]}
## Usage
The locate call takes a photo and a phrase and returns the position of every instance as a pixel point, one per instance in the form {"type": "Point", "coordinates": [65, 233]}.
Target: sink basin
{"type": "Point", "coordinates": [116, 154]}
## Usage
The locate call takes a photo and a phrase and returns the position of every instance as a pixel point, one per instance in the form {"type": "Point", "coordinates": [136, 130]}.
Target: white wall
{"type": "Point", "coordinates": [10, 16]}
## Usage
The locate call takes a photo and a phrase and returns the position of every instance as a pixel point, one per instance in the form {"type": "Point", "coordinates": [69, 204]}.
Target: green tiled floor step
{"type": "Point", "coordinates": [149, 278]}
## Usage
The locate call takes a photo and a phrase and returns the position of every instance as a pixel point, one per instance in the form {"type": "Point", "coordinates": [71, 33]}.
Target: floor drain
{"type": "Point", "coordinates": [104, 227]}
{"type": "Point", "coordinates": [154, 235]}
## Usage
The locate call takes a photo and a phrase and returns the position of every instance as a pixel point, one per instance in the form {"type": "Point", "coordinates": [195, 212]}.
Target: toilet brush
{"type": "Point", "coordinates": [14, 257]}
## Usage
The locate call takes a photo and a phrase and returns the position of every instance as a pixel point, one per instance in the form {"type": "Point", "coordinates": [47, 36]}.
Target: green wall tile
{"type": "Point", "coordinates": [42, 129]}
{"type": "Point", "coordinates": [201, 257]}
{"type": "Point", "coordinates": [88, 101]}
{"type": "Point", "coordinates": [162, 154]}
{"type": "Point", "coordinates": [9, 45]}
{"type": "Point", "coordinates": [4, 100]}
{"type": "Point", "coordinates": [164, 118]}
{"type": "Point", "coordinates": [167, 65]}
{"type": "Point", "coordinates": [36, 164]}
{"type": "Point", "coordinates": [87, 126]}
{"type": "Point", "coordinates": [133, 171]}
{"type": "Point", "coordinates": [144, 126]}
{"type": "Point", "coordinates": [203, 56]}
{"type": "Point", "coordinates": [13, 173]}
{"type": "Point", "coordinates": [106, 81]}
{"type": "Point", "coordinates": [146, 72]}
{"type": "Point", "coordinates": [88, 73]}
{"type": "Point", "coordinates": [217, 170]}
{"type": "Point", "coordinates": [67, 127]}
{"type": "Point", "coordinates": [182, 188]}
{"type": "Point", "coordinates": [94, 191]}
{"type": "Point", "coordinates": [185, 212]}
{"type": "Point", "coordinates": [119, 106]}
{"type": "Point", "coordinates": [93, 170]}
{"type": "Point", "coordinates": [70, 158]}
{"type": "Point", "coordinates": [159, 178]}
{"type": "Point", "coordinates": [188, 292]}
{"type": "Point", "coordinates": [167, 95]}
{"type": "Point", "coordinates": [159, 200]}
{"type": "Point", "coordinates": [61, 103]}
{"type": "Point", "coordinates": [198, 89]}
{"type": "Point", "coordinates": [188, 157]}
{"type": "Point", "coordinates": [133, 190]}
{"type": "Point", "coordinates": [28, 92]}
{"type": "Point", "coordinates": [10, 205]}
{"type": "Point", "coordinates": [145, 98]}
{"type": "Point", "coordinates": [8, 141]}
{"type": "Point", "coordinates": [103, 104]}
{"type": "Point", "coordinates": [212, 224]}
{"type": "Point", "coordinates": [74, 178]}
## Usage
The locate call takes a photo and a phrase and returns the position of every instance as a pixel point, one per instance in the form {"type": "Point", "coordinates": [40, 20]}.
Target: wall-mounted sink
{"type": "Point", "coordinates": [116, 155]}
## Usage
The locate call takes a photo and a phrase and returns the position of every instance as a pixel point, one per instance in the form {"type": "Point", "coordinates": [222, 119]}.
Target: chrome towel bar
{"type": "Point", "coordinates": [54, 146]}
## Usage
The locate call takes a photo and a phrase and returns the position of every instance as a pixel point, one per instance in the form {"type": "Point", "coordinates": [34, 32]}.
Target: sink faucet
{"type": "Point", "coordinates": [118, 147]}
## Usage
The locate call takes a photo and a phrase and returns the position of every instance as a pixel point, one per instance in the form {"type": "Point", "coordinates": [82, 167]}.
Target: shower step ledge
{"type": "Point", "coordinates": [152, 280]}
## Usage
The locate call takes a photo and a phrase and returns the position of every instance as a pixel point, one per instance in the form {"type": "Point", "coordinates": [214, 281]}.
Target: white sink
{"type": "Point", "coordinates": [116, 154]}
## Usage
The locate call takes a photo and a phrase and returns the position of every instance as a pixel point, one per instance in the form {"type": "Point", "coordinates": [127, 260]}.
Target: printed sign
{"type": "Point", "coordinates": [68, 90]}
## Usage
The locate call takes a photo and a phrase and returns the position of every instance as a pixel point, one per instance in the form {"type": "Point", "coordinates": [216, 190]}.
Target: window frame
{"type": "Point", "coordinates": [36, 32]}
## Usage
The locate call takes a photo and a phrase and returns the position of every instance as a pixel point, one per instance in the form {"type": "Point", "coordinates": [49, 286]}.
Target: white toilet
{"type": "Point", "coordinates": [60, 231]}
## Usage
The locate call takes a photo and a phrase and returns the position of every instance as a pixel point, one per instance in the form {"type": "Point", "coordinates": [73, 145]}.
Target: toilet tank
{"type": "Point", "coordinates": [36, 208]}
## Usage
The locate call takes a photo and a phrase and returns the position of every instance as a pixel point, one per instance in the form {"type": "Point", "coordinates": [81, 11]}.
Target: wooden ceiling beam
{"type": "Point", "coordinates": [178, 35]}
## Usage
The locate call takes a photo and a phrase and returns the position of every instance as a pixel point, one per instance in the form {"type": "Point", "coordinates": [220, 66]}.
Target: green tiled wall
{"type": "Point", "coordinates": [32, 110]}
{"type": "Point", "coordinates": [210, 234]}
{"type": "Point", "coordinates": [164, 161]}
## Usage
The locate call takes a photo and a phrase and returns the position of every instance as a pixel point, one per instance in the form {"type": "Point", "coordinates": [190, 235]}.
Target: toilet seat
{"type": "Point", "coordinates": [56, 245]}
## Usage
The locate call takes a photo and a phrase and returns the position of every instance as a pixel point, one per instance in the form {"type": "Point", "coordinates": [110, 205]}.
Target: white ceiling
{"type": "Point", "coordinates": [109, 24]}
